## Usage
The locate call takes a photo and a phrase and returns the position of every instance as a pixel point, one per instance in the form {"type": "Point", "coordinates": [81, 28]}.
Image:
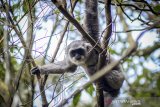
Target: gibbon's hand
{"type": "Point", "coordinates": [35, 71]}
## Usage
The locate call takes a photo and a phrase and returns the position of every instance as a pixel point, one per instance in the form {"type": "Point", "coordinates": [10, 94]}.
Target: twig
{"type": "Point", "coordinates": [150, 8]}
{"type": "Point", "coordinates": [125, 12]}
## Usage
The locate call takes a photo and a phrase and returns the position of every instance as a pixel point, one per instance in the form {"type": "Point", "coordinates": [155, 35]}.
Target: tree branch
{"type": "Point", "coordinates": [147, 51]}
{"type": "Point", "coordinates": [108, 32]}
{"type": "Point", "coordinates": [7, 59]}
{"type": "Point", "coordinates": [102, 56]}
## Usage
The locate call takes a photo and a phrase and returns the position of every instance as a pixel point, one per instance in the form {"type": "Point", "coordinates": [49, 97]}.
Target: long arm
{"type": "Point", "coordinates": [91, 19]}
{"type": "Point", "coordinates": [54, 68]}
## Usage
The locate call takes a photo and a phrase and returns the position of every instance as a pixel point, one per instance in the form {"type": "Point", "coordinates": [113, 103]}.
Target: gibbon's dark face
{"type": "Point", "coordinates": [78, 51]}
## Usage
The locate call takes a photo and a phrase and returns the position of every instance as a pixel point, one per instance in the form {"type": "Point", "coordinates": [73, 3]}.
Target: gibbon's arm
{"type": "Point", "coordinates": [54, 68]}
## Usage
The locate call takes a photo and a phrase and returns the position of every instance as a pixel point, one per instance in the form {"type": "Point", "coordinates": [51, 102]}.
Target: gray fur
{"type": "Point", "coordinates": [91, 18]}
{"type": "Point", "coordinates": [111, 82]}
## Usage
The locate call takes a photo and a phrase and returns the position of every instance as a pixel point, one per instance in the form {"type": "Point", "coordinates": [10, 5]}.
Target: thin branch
{"type": "Point", "coordinates": [99, 89]}
{"type": "Point", "coordinates": [60, 41]}
{"type": "Point", "coordinates": [147, 51]}
{"type": "Point", "coordinates": [125, 27]}
{"type": "Point", "coordinates": [150, 8]}
{"type": "Point", "coordinates": [50, 38]}
{"type": "Point", "coordinates": [125, 12]}
{"type": "Point", "coordinates": [131, 30]}
{"type": "Point", "coordinates": [7, 59]}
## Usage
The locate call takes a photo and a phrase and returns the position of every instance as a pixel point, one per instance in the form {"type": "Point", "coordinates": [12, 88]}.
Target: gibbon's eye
{"type": "Point", "coordinates": [88, 46]}
{"type": "Point", "coordinates": [73, 53]}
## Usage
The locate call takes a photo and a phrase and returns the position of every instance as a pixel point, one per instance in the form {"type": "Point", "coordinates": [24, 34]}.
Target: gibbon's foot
{"type": "Point", "coordinates": [35, 71]}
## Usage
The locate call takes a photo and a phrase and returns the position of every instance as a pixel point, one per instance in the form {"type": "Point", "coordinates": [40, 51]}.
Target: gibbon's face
{"type": "Point", "coordinates": [79, 51]}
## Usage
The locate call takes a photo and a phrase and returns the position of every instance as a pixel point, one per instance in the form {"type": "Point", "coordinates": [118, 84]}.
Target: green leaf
{"type": "Point", "coordinates": [129, 60]}
{"type": "Point", "coordinates": [112, 51]}
{"type": "Point", "coordinates": [56, 11]}
{"type": "Point", "coordinates": [25, 8]}
{"type": "Point", "coordinates": [26, 5]}
{"type": "Point", "coordinates": [12, 49]}
{"type": "Point", "coordinates": [78, 18]}
{"type": "Point", "coordinates": [71, 27]}
{"type": "Point", "coordinates": [76, 99]}
{"type": "Point", "coordinates": [158, 83]}
{"type": "Point", "coordinates": [15, 18]}
{"type": "Point", "coordinates": [16, 6]}
{"type": "Point", "coordinates": [90, 90]}
{"type": "Point", "coordinates": [157, 8]}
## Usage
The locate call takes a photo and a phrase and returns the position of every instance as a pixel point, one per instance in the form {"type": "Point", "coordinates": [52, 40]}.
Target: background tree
{"type": "Point", "coordinates": [34, 32]}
